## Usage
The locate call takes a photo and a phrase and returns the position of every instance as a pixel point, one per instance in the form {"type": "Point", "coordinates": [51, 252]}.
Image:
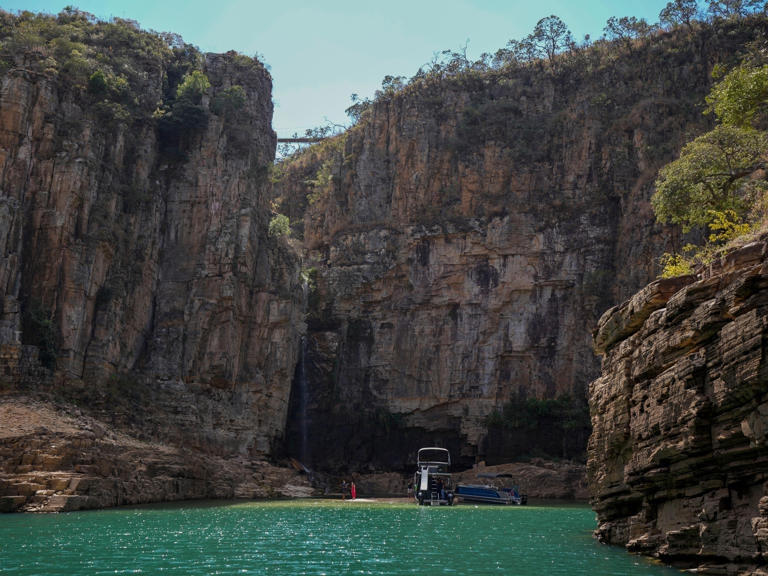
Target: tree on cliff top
{"type": "Point", "coordinates": [679, 12]}
{"type": "Point", "coordinates": [712, 176]}
{"type": "Point", "coordinates": [741, 97]}
{"type": "Point", "coordinates": [734, 8]}
{"type": "Point", "coordinates": [718, 182]}
{"type": "Point", "coordinates": [550, 37]}
{"type": "Point", "coordinates": [626, 28]}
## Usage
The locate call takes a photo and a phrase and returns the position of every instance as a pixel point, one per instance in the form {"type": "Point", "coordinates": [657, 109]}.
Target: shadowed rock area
{"type": "Point", "coordinates": [677, 459]}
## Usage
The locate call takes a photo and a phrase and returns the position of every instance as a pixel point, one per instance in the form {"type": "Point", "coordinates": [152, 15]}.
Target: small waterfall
{"type": "Point", "coordinates": [303, 403]}
{"type": "Point", "coordinates": [298, 426]}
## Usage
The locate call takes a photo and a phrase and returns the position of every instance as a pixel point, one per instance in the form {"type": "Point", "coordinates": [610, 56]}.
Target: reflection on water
{"type": "Point", "coordinates": [313, 538]}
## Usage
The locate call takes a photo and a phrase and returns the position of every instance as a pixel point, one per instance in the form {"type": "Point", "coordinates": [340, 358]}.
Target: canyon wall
{"type": "Point", "coordinates": [466, 235]}
{"type": "Point", "coordinates": [460, 243]}
{"type": "Point", "coordinates": [138, 278]}
{"type": "Point", "coordinates": [677, 461]}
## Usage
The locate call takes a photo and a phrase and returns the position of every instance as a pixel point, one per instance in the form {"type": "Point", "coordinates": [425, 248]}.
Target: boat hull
{"type": "Point", "coordinates": [485, 494]}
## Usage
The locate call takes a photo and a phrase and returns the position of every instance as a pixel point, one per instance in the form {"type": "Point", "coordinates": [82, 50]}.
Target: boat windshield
{"type": "Point", "coordinates": [437, 456]}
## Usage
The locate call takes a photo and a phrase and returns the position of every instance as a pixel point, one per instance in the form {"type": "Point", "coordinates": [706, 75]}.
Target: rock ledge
{"type": "Point", "coordinates": [677, 460]}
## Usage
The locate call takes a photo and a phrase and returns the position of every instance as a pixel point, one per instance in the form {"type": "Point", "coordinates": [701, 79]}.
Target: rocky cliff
{"type": "Point", "coordinates": [460, 240]}
{"type": "Point", "coordinates": [138, 278]}
{"type": "Point", "coordinates": [677, 459]}
{"type": "Point", "coordinates": [466, 235]}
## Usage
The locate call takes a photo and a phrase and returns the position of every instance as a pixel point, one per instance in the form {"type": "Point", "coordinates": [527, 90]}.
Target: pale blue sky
{"type": "Point", "coordinates": [321, 52]}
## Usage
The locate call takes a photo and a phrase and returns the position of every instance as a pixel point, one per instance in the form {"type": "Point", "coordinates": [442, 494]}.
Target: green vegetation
{"type": "Point", "coordinates": [718, 183]}
{"type": "Point", "coordinates": [323, 177]}
{"type": "Point", "coordinates": [714, 191]}
{"type": "Point", "coordinates": [302, 177]}
{"type": "Point", "coordinates": [359, 107]}
{"type": "Point", "coordinates": [545, 51]}
{"type": "Point", "coordinates": [733, 8]}
{"type": "Point", "coordinates": [679, 13]}
{"type": "Point", "coordinates": [550, 37]}
{"type": "Point", "coordinates": [115, 83]}
{"type": "Point", "coordinates": [676, 264]}
{"type": "Point", "coordinates": [229, 102]}
{"type": "Point", "coordinates": [740, 96]}
{"type": "Point", "coordinates": [328, 174]}
{"type": "Point", "coordinates": [712, 176]}
{"type": "Point", "coordinates": [279, 225]}
{"type": "Point", "coordinates": [192, 87]}
{"type": "Point", "coordinates": [113, 61]}
{"type": "Point", "coordinates": [184, 116]}
{"type": "Point", "coordinates": [534, 427]}
{"type": "Point", "coordinates": [121, 74]}
{"type": "Point", "coordinates": [309, 278]}
{"type": "Point", "coordinates": [627, 29]}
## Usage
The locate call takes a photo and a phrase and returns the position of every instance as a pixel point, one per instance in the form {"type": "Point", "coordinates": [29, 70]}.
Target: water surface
{"type": "Point", "coordinates": [314, 538]}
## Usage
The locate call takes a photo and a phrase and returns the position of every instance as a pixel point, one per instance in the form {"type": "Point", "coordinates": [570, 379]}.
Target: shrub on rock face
{"type": "Point", "coordinates": [185, 116]}
{"type": "Point", "coordinates": [280, 225]}
{"type": "Point", "coordinates": [193, 87]}
{"type": "Point", "coordinates": [229, 101]}
{"type": "Point", "coordinates": [97, 83]}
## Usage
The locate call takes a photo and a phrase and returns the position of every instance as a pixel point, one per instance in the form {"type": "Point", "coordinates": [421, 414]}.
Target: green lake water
{"type": "Point", "coordinates": [314, 538]}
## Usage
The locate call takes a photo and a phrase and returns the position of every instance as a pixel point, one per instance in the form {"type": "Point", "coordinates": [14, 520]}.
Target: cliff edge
{"type": "Point", "coordinates": [465, 235]}
{"type": "Point", "coordinates": [677, 460]}
{"type": "Point", "coordinates": [140, 290]}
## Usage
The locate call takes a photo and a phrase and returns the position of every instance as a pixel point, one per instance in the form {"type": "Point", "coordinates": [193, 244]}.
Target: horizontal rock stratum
{"type": "Point", "coordinates": [677, 459]}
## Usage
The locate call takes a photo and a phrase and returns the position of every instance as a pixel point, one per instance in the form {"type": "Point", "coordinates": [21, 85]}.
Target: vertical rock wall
{"type": "Point", "coordinates": [466, 235]}
{"type": "Point", "coordinates": [136, 266]}
{"type": "Point", "coordinates": [677, 460]}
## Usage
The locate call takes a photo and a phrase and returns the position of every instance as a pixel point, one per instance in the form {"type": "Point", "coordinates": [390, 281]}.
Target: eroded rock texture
{"type": "Point", "coordinates": [466, 235]}
{"type": "Point", "coordinates": [137, 276]}
{"type": "Point", "coordinates": [677, 460]}
{"type": "Point", "coordinates": [53, 461]}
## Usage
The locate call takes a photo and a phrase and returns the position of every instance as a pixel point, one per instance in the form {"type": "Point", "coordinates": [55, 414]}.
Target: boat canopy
{"type": "Point", "coordinates": [433, 456]}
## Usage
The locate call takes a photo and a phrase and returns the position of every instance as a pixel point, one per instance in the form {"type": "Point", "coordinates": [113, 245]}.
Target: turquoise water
{"type": "Point", "coordinates": [313, 538]}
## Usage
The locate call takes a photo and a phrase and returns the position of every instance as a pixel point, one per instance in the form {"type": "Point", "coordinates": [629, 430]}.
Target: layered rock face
{"type": "Point", "coordinates": [677, 461]}
{"type": "Point", "coordinates": [461, 241]}
{"type": "Point", "coordinates": [53, 461]}
{"type": "Point", "coordinates": [138, 279]}
{"type": "Point", "coordinates": [466, 235]}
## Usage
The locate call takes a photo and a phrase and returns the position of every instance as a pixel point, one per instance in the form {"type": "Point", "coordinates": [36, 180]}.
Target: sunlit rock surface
{"type": "Point", "coordinates": [466, 236]}
{"type": "Point", "coordinates": [677, 459]}
{"type": "Point", "coordinates": [139, 281]}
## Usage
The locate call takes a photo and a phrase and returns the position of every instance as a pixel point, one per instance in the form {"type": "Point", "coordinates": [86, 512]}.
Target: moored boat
{"type": "Point", "coordinates": [432, 483]}
{"type": "Point", "coordinates": [491, 493]}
